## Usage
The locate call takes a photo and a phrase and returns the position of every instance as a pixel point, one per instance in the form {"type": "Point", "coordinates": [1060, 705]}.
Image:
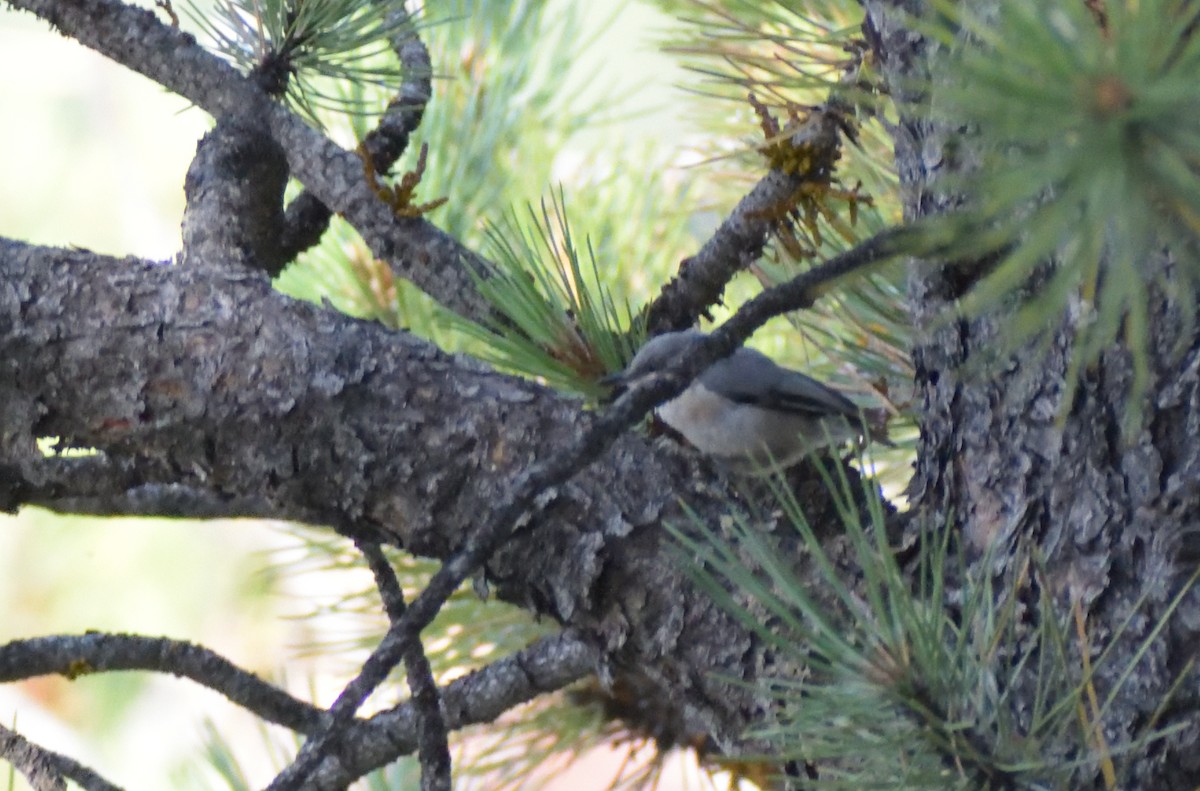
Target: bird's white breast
{"type": "Point", "coordinates": [728, 430]}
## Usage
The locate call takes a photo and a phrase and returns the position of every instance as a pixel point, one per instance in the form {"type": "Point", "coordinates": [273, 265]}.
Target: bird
{"type": "Point", "coordinates": [746, 411]}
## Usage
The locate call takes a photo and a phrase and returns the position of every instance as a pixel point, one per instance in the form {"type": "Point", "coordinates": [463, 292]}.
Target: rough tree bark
{"type": "Point", "coordinates": [1109, 513]}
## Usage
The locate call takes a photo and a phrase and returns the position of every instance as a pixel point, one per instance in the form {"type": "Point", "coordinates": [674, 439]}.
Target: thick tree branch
{"type": "Point", "coordinates": [45, 769]}
{"type": "Point", "coordinates": [234, 188]}
{"type": "Point", "coordinates": [217, 383]}
{"type": "Point", "coordinates": [135, 38]}
{"type": "Point", "coordinates": [214, 383]}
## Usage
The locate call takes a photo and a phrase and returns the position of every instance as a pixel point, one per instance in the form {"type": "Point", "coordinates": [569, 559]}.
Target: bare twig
{"type": "Point", "coordinates": [307, 217]}
{"type": "Point", "coordinates": [76, 655]}
{"type": "Point", "coordinates": [433, 748]}
{"type": "Point", "coordinates": [45, 769]}
{"type": "Point", "coordinates": [549, 664]}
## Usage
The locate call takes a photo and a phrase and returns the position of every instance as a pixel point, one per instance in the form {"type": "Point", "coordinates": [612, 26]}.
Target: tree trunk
{"type": "Point", "coordinates": [1104, 511]}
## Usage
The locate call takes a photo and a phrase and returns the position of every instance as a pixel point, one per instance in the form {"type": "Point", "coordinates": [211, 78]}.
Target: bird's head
{"type": "Point", "coordinates": [658, 353]}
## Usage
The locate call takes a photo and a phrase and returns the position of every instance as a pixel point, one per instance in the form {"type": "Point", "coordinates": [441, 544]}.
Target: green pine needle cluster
{"type": "Point", "coordinates": [912, 686]}
{"type": "Point", "coordinates": [559, 322]}
{"type": "Point", "coordinates": [1087, 121]}
{"type": "Point", "coordinates": [305, 48]}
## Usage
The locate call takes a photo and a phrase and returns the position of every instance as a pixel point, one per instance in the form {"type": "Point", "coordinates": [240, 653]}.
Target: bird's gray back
{"type": "Point", "coordinates": [746, 377]}
{"type": "Point", "coordinates": [750, 377]}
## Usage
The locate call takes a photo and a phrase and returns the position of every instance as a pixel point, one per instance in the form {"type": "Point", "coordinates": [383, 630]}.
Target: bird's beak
{"type": "Point", "coordinates": [617, 382]}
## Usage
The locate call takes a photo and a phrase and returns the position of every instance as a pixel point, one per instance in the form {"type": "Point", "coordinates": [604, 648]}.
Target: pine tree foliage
{"type": "Point", "coordinates": [1081, 124]}
{"type": "Point", "coordinates": [304, 50]}
{"type": "Point", "coordinates": [902, 693]}
{"type": "Point", "coordinates": [561, 323]}
{"type": "Point", "coordinates": [1086, 122]}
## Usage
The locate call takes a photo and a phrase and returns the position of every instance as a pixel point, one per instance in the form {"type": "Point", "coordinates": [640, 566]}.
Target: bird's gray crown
{"type": "Point", "coordinates": [661, 350]}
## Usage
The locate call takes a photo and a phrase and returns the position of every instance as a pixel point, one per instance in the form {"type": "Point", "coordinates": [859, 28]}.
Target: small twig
{"type": "Point", "coordinates": [739, 241]}
{"type": "Point", "coordinates": [75, 655]}
{"type": "Point", "coordinates": [31, 761]}
{"type": "Point", "coordinates": [433, 748]}
{"type": "Point", "coordinates": [45, 769]}
{"type": "Point", "coordinates": [165, 5]}
{"type": "Point", "coordinates": [307, 217]}
{"type": "Point", "coordinates": [549, 664]}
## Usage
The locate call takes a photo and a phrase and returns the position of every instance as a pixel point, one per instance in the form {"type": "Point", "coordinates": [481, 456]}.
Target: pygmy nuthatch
{"type": "Point", "coordinates": [745, 410]}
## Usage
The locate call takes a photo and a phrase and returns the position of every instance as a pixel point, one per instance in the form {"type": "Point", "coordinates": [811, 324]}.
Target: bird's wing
{"type": "Point", "coordinates": [750, 377]}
